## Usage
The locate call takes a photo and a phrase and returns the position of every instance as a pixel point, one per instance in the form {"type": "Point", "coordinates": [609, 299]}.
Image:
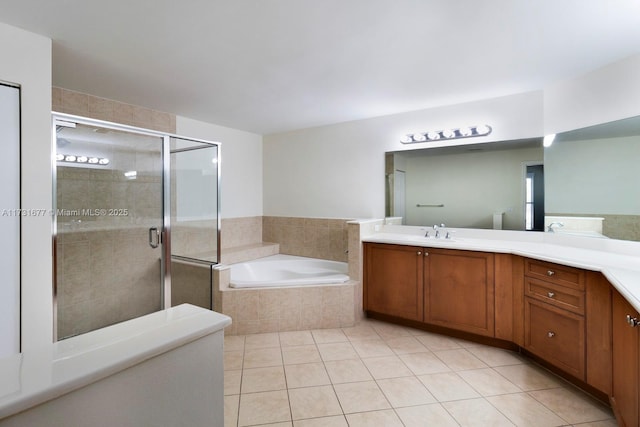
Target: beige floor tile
{"type": "Point", "coordinates": [232, 382]}
{"type": "Point", "coordinates": [323, 336]}
{"type": "Point", "coordinates": [606, 423]}
{"type": "Point", "coordinates": [371, 348]}
{"type": "Point", "coordinates": [496, 356]}
{"type": "Point", "coordinates": [488, 382]}
{"type": "Point", "coordinates": [435, 342]}
{"type": "Point", "coordinates": [460, 359]}
{"type": "Point", "coordinates": [263, 408]}
{"type": "Point", "coordinates": [262, 340]}
{"type": "Point", "coordinates": [524, 411]}
{"type": "Point", "coordinates": [386, 418]}
{"type": "Point", "coordinates": [529, 377]}
{"type": "Point", "coordinates": [405, 345]}
{"type": "Point", "coordinates": [263, 379]}
{"type": "Point", "coordinates": [336, 421]}
{"type": "Point", "coordinates": [405, 391]}
{"type": "Point", "coordinates": [306, 375]}
{"type": "Point", "coordinates": [388, 330]}
{"type": "Point", "coordinates": [285, 424]}
{"type": "Point", "coordinates": [572, 405]}
{"type": "Point", "coordinates": [337, 351]}
{"type": "Point", "coordinates": [313, 402]}
{"type": "Point", "coordinates": [233, 360]}
{"type": "Point", "coordinates": [360, 332]}
{"type": "Point", "coordinates": [231, 405]}
{"type": "Point", "coordinates": [426, 415]}
{"type": "Point", "coordinates": [347, 371]}
{"type": "Point", "coordinates": [262, 357]}
{"type": "Point", "coordinates": [424, 363]}
{"type": "Point", "coordinates": [300, 354]}
{"type": "Point", "coordinates": [361, 397]}
{"type": "Point", "coordinates": [448, 386]}
{"type": "Point", "coordinates": [296, 338]}
{"type": "Point", "coordinates": [234, 343]}
{"type": "Point", "coordinates": [476, 413]}
{"type": "Point", "coordinates": [387, 367]}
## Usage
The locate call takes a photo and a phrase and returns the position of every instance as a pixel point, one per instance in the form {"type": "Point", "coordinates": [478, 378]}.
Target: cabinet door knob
{"type": "Point", "coordinates": [419, 253]}
{"type": "Point", "coordinates": [550, 272]}
{"type": "Point", "coordinates": [551, 334]}
{"type": "Point", "coordinates": [632, 321]}
{"type": "Point", "coordinates": [551, 294]}
{"type": "Point", "coordinates": [426, 254]}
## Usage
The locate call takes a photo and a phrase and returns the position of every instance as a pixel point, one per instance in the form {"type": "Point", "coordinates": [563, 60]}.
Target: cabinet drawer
{"type": "Point", "coordinates": [555, 335]}
{"type": "Point", "coordinates": [554, 294]}
{"type": "Point", "coordinates": [555, 273]}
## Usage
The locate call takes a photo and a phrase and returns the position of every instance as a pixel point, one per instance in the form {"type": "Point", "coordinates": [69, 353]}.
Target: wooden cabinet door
{"type": "Point", "coordinates": [393, 280]}
{"type": "Point", "coordinates": [459, 290]}
{"type": "Point", "coordinates": [625, 362]}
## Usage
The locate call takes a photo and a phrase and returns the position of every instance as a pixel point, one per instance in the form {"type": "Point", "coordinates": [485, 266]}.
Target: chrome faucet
{"type": "Point", "coordinates": [436, 228]}
{"type": "Point", "coordinates": [553, 225]}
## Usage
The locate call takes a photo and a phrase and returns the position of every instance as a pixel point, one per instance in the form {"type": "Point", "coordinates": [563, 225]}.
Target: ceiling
{"type": "Point", "coordinates": [269, 66]}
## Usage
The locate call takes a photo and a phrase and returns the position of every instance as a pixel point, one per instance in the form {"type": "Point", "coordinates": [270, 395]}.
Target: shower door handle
{"type": "Point", "coordinates": [154, 237]}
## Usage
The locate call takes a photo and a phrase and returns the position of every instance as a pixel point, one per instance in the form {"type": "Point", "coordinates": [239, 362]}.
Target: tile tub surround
{"type": "Point", "coordinates": [283, 309]}
{"type": "Point", "coordinates": [624, 227]}
{"type": "Point", "coordinates": [324, 238]}
{"type": "Point", "coordinates": [377, 374]}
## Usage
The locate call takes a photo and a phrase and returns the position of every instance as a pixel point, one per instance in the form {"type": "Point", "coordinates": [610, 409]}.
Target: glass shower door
{"type": "Point", "coordinates": [109, 223]}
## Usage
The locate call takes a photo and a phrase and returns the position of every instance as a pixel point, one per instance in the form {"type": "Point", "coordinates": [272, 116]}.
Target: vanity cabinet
{"type": "Point", "coordinates": [626, 366]}
{"type": "Point", "coordinates": [449, 288]}
{"type": "Point", "coordinates": [459, 290]}
{"type": "Point", "coordinates": [554, 321]}
{"type": "Point", "coordinates": [393, 280]}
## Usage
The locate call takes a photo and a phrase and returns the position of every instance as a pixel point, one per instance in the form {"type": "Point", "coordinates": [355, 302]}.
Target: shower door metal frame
{"type": "Point", "coordinates": [58, 118]}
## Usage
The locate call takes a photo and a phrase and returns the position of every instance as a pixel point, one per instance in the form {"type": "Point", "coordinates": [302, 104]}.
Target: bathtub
{"type": "Point", "coordinates": [287, 270]}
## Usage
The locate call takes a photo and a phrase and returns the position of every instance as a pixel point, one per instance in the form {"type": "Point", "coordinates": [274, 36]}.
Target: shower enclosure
{"type": "Point", "coordinates": [123, 198]}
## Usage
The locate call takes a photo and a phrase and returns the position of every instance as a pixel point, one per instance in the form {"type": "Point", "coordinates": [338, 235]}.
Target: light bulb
{"type": "Point", "coordinates": [406, 139]}
{"type": "Point", "coordinates": [433, 135]}
{"type": "Point", "coordinates": [483, 130]}
{"type": "Point", "coordinates": [448, 133]}
{"type": "Point", "coordinates": [465, 131]}
{"type": "Point", "coordinates": [548, 140]}
{"type": "Point", "coordinates": [82, 159]}
{"type": "Point", "coordinates": [59, 157]}
{"type": "Point", "coordinates": [93, 160]}
{"type": "Point", "coordinates": [70, 158]}
{"type": "Point", "coordinates": [420, 137]}
{"type": "Point", "coordinates": [103, 161]}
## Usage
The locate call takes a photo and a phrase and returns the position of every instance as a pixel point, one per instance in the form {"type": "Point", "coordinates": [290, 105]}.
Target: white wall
{"type": "Point", "coordinates": [241, 165]}
{"type": "Point", "coordinates": [603, 95]}
{"type": "Point", "coordinates": [338, 170]}
{"type": "Point", "coordinates": [26, 61]}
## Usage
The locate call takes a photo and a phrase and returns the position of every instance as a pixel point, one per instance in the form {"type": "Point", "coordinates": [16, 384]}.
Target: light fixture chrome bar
{"type": "Point", "coordinates": [463, 132]}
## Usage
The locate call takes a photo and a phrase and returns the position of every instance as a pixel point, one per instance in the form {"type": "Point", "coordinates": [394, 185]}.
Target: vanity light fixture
{"type": "Point", "coordinates": [548, 140]}
{"type": "Point", "coordinates": [464, 132]}
{"type": "Point", "coordinates": [70, 158]}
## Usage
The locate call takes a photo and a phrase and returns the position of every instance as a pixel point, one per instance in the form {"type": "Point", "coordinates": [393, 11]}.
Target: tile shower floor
{"type": "Point", "coordinates": [378, 374]}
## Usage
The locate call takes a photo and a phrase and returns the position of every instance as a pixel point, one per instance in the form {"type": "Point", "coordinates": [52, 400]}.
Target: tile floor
{"type": "Point", "coordinates": [378, 374]}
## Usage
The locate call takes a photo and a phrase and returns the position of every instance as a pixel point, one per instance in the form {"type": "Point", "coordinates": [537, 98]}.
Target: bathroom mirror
{"type": "Point", "coordinates": [593, 172]}
{"type": "Point", "coordinates": [589, 172]}
{"type": "Point", "coordinates": [472, 186]}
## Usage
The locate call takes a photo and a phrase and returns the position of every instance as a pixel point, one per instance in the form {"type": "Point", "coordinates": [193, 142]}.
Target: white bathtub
{"type": "Point", "coordinates": [287, 270]}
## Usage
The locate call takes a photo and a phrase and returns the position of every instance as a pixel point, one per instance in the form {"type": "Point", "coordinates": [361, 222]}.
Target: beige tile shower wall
{"type": "Point", "coordinates": [105, 277]}
{"type": "Point", "coordinates": [311, 237]}
{"type": "Point", "coordinates": [195, 239]}
{"type": "Point", "coordinates": [82, 104]}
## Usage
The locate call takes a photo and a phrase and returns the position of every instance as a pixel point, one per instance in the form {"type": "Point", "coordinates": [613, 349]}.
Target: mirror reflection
{"type": "Point", "coordinates": [469, 186]}
{"type": "Point", "coordinates": [584, 184]}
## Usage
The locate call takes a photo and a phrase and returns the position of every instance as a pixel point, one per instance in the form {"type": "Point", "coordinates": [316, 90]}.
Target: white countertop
{"type": "Point", "coordinates": [36, 376]}
{"type": "Point", "coordinates": [618, 260]}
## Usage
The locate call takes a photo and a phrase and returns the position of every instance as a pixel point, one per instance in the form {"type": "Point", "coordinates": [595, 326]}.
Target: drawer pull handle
{"type": "Point", "coordinates": [551, 334]}
{"type": "Point", "coordinates": [632, 321]}
{"type": "Point", "coordinates": [551, 294]}
{"type": "Point", "coordinates": [550, 272]}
